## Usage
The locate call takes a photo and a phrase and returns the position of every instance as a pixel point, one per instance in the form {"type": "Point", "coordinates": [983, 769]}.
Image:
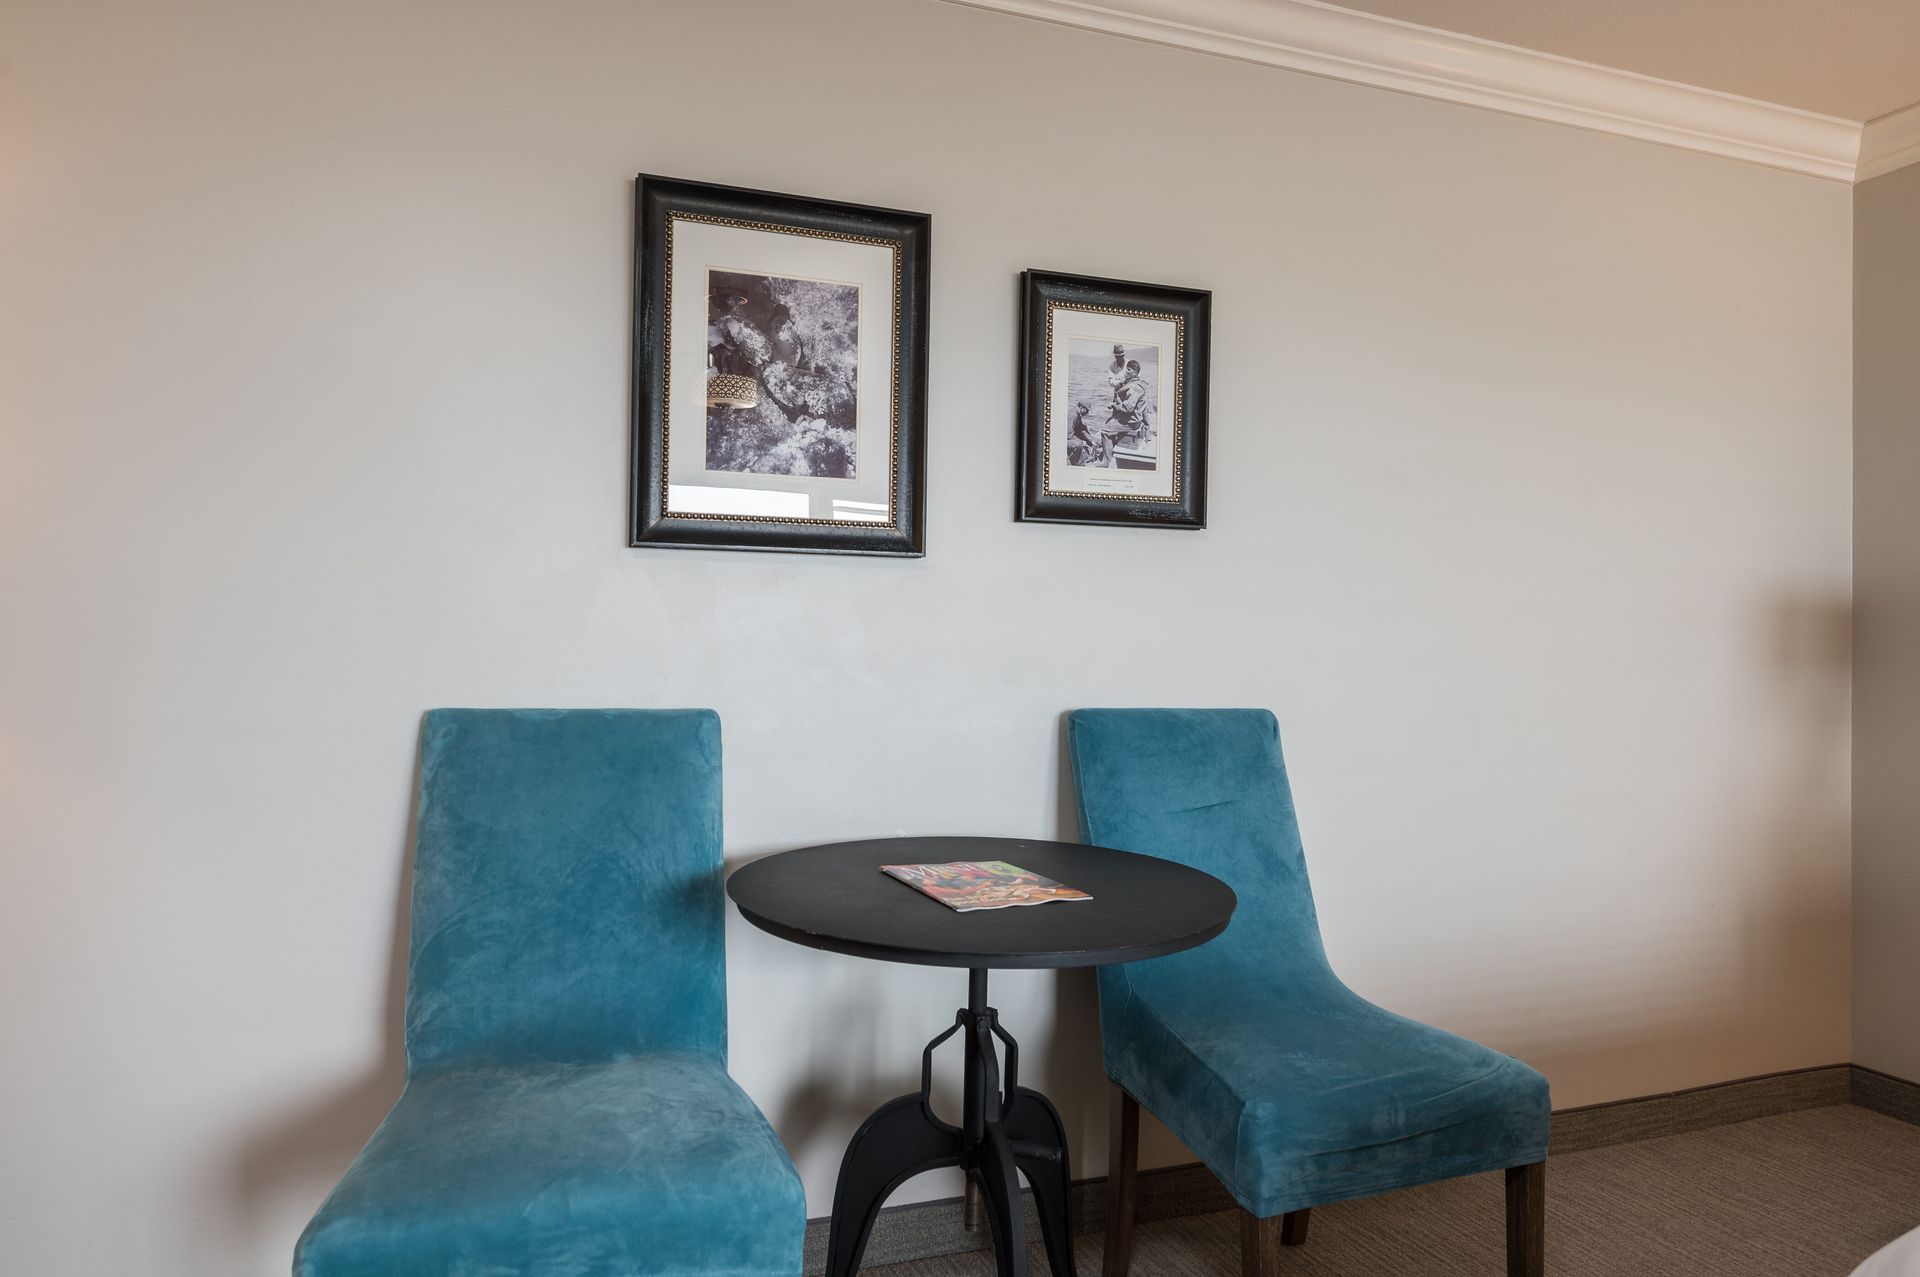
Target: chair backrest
{"type": "Point", "coordinates": [1208, 788]}
{"type": "Point", "coordinates": [567, 899]}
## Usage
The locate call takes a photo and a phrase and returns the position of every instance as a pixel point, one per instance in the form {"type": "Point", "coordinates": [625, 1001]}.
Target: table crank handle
{"type": "Point", "coordinates": [926, 1072]}
{"type": "Point", "coordinates": [1013, 1059]}
{"type": "Point", "coordinates": [926, 1063]}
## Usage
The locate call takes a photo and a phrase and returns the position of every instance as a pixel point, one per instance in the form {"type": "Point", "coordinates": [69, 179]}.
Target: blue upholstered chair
{"type": "Point", "coordinates": [1293, 1089]}
{"type": "Point", "coordinates": [567, 1107]}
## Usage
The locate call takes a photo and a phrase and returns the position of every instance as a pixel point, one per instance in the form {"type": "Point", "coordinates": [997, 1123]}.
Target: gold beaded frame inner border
{"type": "Point", "coordinates": [666, 374]}
{"type": "Point", "coordinates": [1179, 371]}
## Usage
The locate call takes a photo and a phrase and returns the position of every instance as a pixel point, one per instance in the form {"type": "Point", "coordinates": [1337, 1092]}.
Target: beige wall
{"type": "Point", "coordinates": [1530, 504]}
{"type": "Point", "coordinates": [1886, 648]}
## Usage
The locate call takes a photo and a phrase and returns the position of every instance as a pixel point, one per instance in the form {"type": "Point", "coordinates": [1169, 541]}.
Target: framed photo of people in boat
{"type": "Point", "coordinates": [779, 372]}
{"type": "Point", "coordinates": [1113, 402]}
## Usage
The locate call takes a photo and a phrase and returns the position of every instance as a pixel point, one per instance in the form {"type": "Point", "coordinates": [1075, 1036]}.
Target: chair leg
{"type": "Point", "coordinates": [1261, 1240]}
{"type": "Point", "coordinates": [1260, 1244]}
{"type": "Point", "coordinates": [1123, 1163]}
{"type": "Point", "coordinates": [1527, 1220]}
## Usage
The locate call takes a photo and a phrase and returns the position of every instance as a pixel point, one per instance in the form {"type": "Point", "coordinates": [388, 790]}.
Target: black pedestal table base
{"type": "Point", "coordinates": [838, 899]}
{"type": "Point", "coordinates": [1003, 1128]}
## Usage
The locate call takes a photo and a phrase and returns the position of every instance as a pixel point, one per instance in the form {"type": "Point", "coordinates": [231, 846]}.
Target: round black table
{"type": "Point", "coordinates": [835, 897]}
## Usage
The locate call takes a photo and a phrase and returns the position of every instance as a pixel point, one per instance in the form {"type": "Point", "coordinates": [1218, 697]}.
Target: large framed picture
{"type": "Point", "coordinates": [1113, 402]}
{"type": "Point", "coordinates": [780, 372]}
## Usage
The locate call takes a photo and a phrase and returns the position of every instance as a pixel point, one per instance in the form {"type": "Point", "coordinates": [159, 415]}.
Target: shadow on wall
{"type": "Point", "coordinates": [1798, 925]}
{"type": "Point", "coordinates": [305, 1151]}
{"type": "Point", "coordinates": [847, 1075]}
{"type": "Point", "coordinates": [1786, 923]}
{"type": "Point", "coordinates": [1812, 654]}
{"type": "Point", "coordinates": [845, 1068]}
{"type": "Point", "coordinates": [1791, 935]}
{"type": "Point", "coordinates": [1792, 940]}
{"type": "Point", "coordinates": [1077, 1077]}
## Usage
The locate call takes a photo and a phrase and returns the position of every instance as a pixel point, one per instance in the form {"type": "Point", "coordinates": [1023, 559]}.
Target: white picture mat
{"type": "Point", "coordinates": [691, 488]}
{"type": "Point", "coordinates": [1069, 325]}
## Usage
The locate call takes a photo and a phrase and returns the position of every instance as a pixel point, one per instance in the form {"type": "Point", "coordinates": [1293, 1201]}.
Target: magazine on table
{"type": "Point", "coordinates": [967, 885]}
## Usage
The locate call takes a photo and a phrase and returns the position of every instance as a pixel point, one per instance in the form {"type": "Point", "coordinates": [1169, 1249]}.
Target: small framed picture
{"type": "Point", "coordinates": [780, 372]}
{"type": "Point", "coordinates": [1113, 402]}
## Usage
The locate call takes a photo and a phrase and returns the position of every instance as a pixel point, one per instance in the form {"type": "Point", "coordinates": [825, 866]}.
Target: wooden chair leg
{"type": "Point", "coordinates": [1527, 1220]}
{"type": "Point", "coordinates": [1123, 1164]}
{"type": "Point", "coordinates": [1262, 1239]}
{"type": "Point", "coordinates": [1260, 1244]}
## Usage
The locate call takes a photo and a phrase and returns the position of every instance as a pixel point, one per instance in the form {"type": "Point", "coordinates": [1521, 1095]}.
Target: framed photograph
{"type": "Point", "coordinates": [780, 372]}
{"type": "Point", "coordinates": [1113, 402]}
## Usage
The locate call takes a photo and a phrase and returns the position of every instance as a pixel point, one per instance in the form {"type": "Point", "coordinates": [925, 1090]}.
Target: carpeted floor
{"type": "Point", "coordinates": [1806, 1194]}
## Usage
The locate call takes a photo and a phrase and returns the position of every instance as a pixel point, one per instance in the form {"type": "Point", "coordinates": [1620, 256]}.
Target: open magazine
{"type": "Point", "coordinates": [967, 885]}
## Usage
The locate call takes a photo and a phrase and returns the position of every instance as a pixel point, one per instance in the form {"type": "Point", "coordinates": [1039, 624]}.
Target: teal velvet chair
{"type": "Point", "coordinates": [567, 1108]}
{"type": "Point", "coordinates": [1294, 1090]}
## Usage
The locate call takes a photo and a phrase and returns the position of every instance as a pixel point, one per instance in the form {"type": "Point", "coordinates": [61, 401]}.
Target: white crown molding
{"type": "Point", "coordinates": [1301, 35]}
{"type": "Point", "coordinates": [1890, 142]}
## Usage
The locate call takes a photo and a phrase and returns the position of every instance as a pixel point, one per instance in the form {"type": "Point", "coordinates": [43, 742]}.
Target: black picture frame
{"type": "Point", "coordinates": [1047, 497]}
{"type": "Point", "coordinates": [663, 203]}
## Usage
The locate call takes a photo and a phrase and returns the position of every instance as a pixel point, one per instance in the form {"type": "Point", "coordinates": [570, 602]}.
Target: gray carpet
{"type": "Point", "coordinates": [1806, 1194]}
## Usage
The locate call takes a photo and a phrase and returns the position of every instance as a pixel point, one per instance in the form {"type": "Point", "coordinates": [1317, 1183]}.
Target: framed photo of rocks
{"type": "Point", "coordinates": [780, 372]}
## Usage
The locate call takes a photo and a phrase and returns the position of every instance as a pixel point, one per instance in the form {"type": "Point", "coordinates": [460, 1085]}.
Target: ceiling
{"type": "Point", "coordinates": [1856, 59]}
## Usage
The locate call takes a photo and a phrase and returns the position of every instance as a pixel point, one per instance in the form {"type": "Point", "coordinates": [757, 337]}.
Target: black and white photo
{"type": "Point", "coordinates": [780, 372]}
{"type": "Point", "coordinates": [799, 340]}
{"type": "Point", "coordinates": [1115, 394]}
{"type": "Point", "coordinates": [1113, 419]}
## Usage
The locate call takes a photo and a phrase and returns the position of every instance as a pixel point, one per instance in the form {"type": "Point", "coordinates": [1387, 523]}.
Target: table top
{"type": "Point", "coordinates": [835, 897]}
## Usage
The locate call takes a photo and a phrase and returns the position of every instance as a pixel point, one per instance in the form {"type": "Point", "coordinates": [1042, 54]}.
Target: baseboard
{"type": "Point", "coordinates": [924, 1230]}
{"type": "Point", "coordinates": [1886, 1094]}
{"type": "Point", "coordinates": [1648, 1117]}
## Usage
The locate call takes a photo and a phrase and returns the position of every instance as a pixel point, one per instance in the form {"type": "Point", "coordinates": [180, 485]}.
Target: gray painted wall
{"type": "Point", "coordinates": [1531, 519]}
